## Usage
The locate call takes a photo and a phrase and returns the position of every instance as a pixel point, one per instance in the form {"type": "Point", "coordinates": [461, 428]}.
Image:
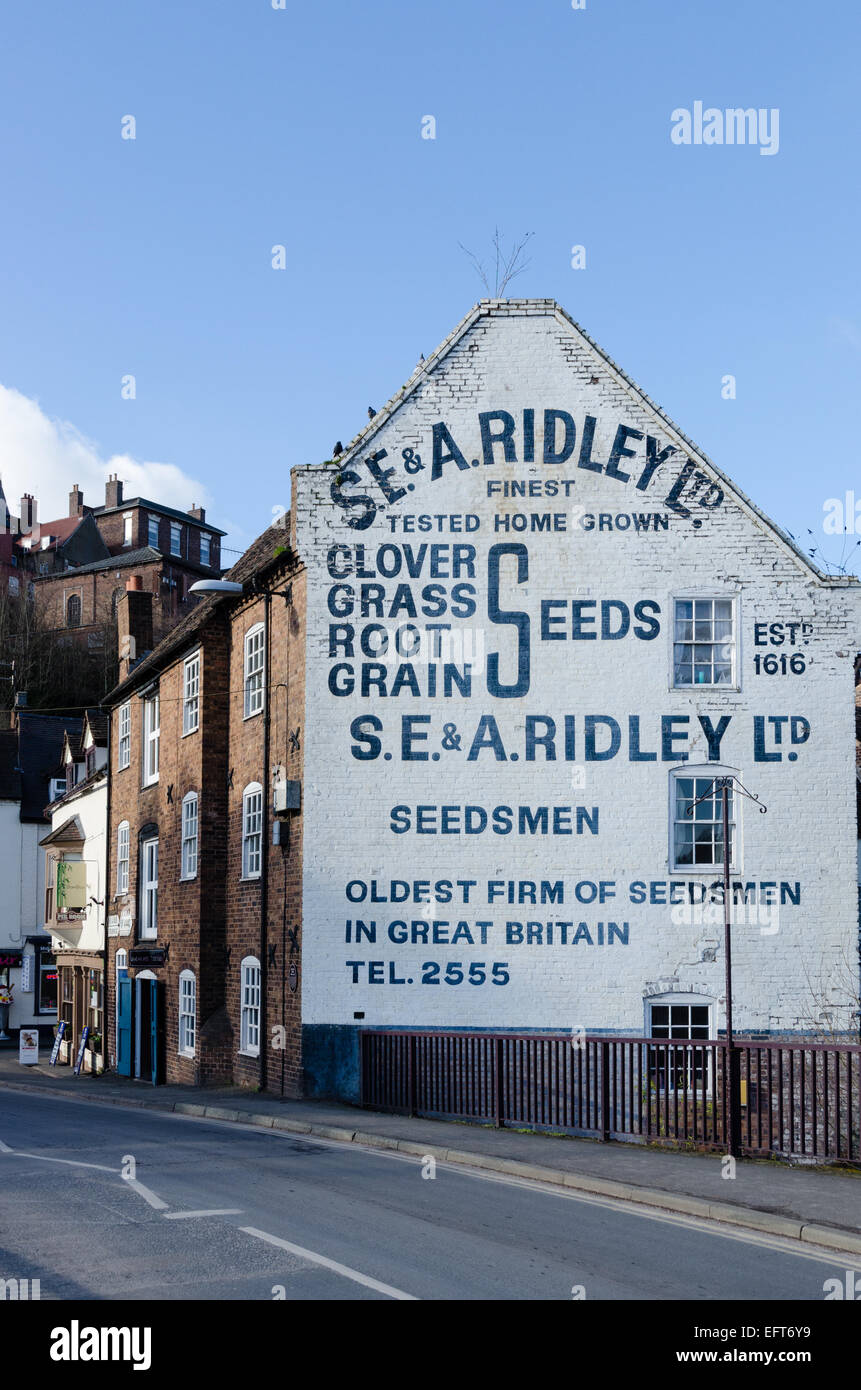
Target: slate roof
{"type": "Point", "coordinates": [146, 556]}
{"type": "Point", "coordinates": [268, 552]}
{"type": "Point", "coordinates": [97, 720]}
{"type": "Point", "coordinates": [10, 780]}
{"type": "Point", "coordinates": [40, 747]}
{"type": "Point", "coordinates": [129, 502]}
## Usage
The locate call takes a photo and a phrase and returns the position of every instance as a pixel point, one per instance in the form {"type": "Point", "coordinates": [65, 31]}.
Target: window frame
{"type": "Point", "coordinates": [148, 894]}
{"type": "Point", "coordinates": [706, 772]}
{"type": "Point", "coordinates": [249, 1011]}
{"type": "Point", "coordinates": [57, 787]}
{"type": "Point", "coordinates": [191, 681]}
{"type": "Point", "coordinates": [123, 842]}
{"type": "Point", "coordinates": [254, 694]}
{"type": "Point", "coordinates": [252, 853]}
{"type": "Point", "coordinates": [206, 539]}
{"type": "Point", "coordinates": [187, 1017]}
{"type": "Point", "coordinates": [706, 596]}
{"type": "Point", "coordinates": [124, 736]}
{"type": "Point", "coordinates": [128, 529]}
{"type": "Point", "coordinates": [176, 536]}
{"type": "Point", "coordinates": [152, 524]}
{"type": "Point", "coordinates": [75, 598]}
{"type": "Point", "coordinates": [190, 799]}
{"type": "Point", "coordinates": [686, 1076]}
{"type": "Point", "coordinates": [151, 739]}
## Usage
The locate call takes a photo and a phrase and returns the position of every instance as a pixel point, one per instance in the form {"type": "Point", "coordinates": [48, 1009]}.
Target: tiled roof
{"type": "Point", "coordinates": [71, 832]}
{"type": "Point", "coordinates": [59, 530]}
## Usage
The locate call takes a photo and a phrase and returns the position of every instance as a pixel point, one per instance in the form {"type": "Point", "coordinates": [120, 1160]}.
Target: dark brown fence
{"type": "Point", "coordinates": [790, 1099]}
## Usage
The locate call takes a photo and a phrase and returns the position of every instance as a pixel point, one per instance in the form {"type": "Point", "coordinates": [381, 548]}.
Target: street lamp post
{"type": "Point", "coordinates": [724, 785]}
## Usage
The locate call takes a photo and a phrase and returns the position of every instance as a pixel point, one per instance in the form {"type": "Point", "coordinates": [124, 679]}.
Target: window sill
{"type": "Point", "coordinates": [153, 782]}
{"type": "Point", "coordinates": [254, 1055]}
{"type": "Point", "coordinates": [188, 878]}
{"type": "Point", "coordinates": [253, 715]}
{"type": "Point", "coordinates": [187, 732]}
{"type": "Point", "coordinates": [712, 689]}
{"type": "Point", "coordinates": [189, 1056]}
{"type": "Point", "coordinates": [250, 878]}
{"type": "Point", "coordinates": [711, 870]}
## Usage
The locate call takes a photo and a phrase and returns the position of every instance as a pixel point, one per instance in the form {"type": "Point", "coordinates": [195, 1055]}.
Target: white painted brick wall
{"type": "Point", "coordinates": [529, 355]}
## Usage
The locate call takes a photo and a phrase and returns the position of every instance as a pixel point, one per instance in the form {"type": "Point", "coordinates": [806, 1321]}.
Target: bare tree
{"type": "Point", "coordinates": [58, 669]}
{"type": "Point", "coordinates": [506, 264]}
{"type": "Point", "coordinates": [834, 990]}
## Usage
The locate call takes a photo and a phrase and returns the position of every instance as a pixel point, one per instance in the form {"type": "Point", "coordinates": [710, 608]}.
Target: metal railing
{"type": "Point", "coordinates": [791, 1099]}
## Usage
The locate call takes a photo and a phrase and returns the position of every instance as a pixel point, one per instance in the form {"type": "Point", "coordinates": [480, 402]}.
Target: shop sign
{"type": "Point", "coordinates": [147, 957]}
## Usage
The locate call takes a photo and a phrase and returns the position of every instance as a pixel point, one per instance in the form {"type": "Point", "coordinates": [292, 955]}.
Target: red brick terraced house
{"type": "Point", "coordinates": [204, 842]}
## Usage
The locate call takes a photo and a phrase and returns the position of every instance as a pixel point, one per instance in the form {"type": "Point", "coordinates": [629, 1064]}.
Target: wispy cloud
{"type": "Point", "coordinates": [45, 456]}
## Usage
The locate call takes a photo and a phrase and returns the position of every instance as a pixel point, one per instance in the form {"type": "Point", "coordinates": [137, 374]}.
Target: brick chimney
{"type": "Point", "coordinates": [113, 491]}
{"type": "Point", "coordinates": [29, 510]}
{"type": "Point", "coordinates": [134, 624]}
{"type": "Point", "coordinates": [199, 513]}
{"type": "Point", "coordinates": [76, 501]}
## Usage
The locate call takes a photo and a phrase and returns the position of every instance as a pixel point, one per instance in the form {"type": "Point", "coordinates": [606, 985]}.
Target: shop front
{"type": "Point", "coordinates": [81, 1009]}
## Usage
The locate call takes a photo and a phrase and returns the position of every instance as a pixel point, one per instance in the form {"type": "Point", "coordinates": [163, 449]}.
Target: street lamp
{"type": "Point", "coordinates": [725, 786]}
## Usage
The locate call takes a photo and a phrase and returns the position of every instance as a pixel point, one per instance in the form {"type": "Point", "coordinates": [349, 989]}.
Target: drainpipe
{"type": "Point", "coordinates": [264, 848]}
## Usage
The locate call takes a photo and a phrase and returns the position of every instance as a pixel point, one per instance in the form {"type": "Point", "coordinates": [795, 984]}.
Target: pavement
{"type": "Point", "coordinates": [815, 1205]}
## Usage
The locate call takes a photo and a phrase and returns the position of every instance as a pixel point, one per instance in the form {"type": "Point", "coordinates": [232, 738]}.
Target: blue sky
{"type": "Point", "coordinates": [302, 127]}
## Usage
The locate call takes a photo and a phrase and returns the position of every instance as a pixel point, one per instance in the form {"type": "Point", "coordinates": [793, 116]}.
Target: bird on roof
{"type": "Point", "coordinates": [338, 449]}
{"type": "Point", "coordinates": [371, 412]}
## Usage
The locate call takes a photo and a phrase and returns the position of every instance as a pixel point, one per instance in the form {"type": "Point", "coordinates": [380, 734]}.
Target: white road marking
{"type": "Point", "coordinates": [216, 1211]}
{"type": "Point", "coordinates": [147, 1194]}
{"type": "Point", "coordinates": [344, 1270]}
{"type": "Point", "coordinates": [70, 1162]}
{"type": "Point", "coordinates": [781, 1245]}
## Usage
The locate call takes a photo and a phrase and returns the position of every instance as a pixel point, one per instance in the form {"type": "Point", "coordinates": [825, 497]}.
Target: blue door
{"type": "Point", "coordinates": [124, 1027]}
{"type": "Point", "coordinates": [149, 1030]}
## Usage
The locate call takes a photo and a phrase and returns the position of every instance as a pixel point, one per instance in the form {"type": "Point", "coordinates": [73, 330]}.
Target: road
{"type": "Point", "coordinates": [226, 1211]}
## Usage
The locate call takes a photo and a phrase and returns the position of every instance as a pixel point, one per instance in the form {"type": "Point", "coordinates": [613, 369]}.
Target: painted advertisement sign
{"type": "Point", "coordinates": [539, 625]}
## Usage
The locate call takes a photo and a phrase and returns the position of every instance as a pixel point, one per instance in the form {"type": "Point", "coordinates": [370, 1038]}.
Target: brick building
{"type": "Point", "coordinates": [449, 728]}
{"type": "Point", "coordinates": [75, 567]}
{"type": "Point", "coordinates": [203, 918]}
